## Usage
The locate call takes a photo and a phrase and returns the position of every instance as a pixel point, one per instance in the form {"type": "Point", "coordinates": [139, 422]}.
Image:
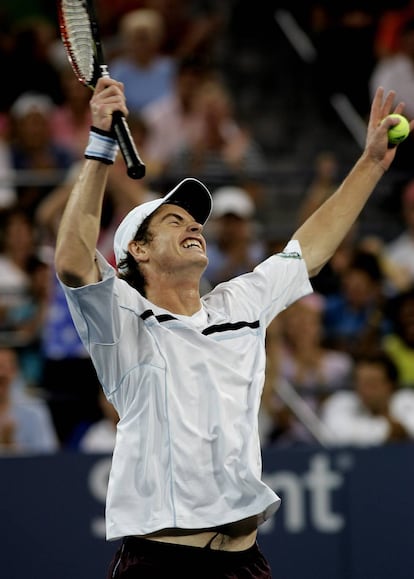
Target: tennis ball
{"type": "Point", "coordinates": [400, 132]}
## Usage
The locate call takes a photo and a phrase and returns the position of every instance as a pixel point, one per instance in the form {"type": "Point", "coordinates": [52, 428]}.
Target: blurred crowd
{"type": "Point", "coordinates": [341, 361]}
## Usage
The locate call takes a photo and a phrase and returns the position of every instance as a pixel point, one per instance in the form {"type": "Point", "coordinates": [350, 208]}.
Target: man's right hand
{"type": "Point", "coordinates": [108, 97]}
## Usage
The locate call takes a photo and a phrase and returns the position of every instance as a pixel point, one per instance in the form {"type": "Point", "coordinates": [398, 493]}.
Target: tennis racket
{"type": "Point", "coordinates": [80, 36]}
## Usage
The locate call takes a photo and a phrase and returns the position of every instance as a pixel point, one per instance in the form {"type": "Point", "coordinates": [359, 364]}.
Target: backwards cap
{"type": "Point", "coordinates": [190, 194]}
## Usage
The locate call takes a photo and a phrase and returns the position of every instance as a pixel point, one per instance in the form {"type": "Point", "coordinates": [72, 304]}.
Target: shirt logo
{"type": "Point", "coordinates": [290, 254]}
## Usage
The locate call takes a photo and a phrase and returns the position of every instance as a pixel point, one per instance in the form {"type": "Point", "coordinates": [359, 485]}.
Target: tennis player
{"type": "Point", "coordinates": [185, 373]}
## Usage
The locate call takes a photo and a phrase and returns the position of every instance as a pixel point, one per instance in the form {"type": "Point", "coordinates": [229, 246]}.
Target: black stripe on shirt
{"type": "Point", "coordinates": [161, 318]}
{"type": "Point", "coordinates": [230, 327]}
{"type": "Point", "coordinates": [207, 331]}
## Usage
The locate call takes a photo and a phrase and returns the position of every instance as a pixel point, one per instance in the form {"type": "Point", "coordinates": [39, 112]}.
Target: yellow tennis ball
{"type": "Point", "coordinates": [398, 133]}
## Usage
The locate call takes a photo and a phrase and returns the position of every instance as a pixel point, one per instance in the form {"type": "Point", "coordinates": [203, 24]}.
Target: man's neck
{"type": "Point", "coordinates": [183, 299]}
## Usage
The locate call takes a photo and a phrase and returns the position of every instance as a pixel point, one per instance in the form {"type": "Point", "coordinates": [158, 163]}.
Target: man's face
{"type": "Point", "coordinates": [177, 241]}
{"type": "Point", "coordinates": [373, 386]}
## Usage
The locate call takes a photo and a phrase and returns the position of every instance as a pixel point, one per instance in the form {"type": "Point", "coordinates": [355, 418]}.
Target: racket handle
{"type": "Point", "coordinates": [135, 166]}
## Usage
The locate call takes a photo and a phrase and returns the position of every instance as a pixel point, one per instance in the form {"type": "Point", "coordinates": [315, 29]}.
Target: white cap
{"type": "Point", "coordinates": [190, 194]}
{"type": "Point", "coordinates": [32, 102]}
{"type": "Point", "coordinates": [233, 200]}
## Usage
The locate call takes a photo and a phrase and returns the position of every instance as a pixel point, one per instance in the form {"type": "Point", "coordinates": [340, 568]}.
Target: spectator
{"type": "Point", "coordinates": [234, 244]}
{"type": "Point", "coordinates": [376, 411]}
{"type": "Point", "coordinates": [38, 159]}
{"type": "Point", "coordinates": [69, 381]}
{"type": "Point", "coordinates": [396, 278]}
{"type": "Point", "coordinates": [397, 71]}
{"type": "Point", "coordinates": [30, 42]}
{"type": "Point", "coordinates": [399, 342]}
{"type": "Point", "coordinates": [24, 288]}
{"type": "Point", "coordinates": [147, 74]}
{"type": "Point", "coordinates": [328, 282]}
{"type": "Point", "coordinates": [391, 21]}
{"type": "Point", "coordinates": [71, 119]}
{"type": "Point", "coordinates": [223, 152]}
{"type": "Point", "coordinates": [25, 424]}
{"type": "Point", "coordinates": [171, 120]}
{"type": "Point", "coordinates": [324, 182]}
{"type": "Point", "coordinates": [193, 26]}
{"type": "Point", "coordinates": [354, 317]}
{"type": "Point", "coordinates": [400, 249]}
{"type": "Point", "coordinates": [312, 369]}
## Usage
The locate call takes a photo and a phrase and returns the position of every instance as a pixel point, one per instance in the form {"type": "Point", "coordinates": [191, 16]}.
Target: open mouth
{"type": "Point", "coordinates": [192, 243]}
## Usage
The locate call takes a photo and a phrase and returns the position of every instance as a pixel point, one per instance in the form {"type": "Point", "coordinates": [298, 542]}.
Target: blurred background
{"type": "Point", "coordinates": [267, 104]}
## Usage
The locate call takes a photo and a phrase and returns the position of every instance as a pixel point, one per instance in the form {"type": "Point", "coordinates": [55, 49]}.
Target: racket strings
{"type": "Point", "coordinates": [77, 37]}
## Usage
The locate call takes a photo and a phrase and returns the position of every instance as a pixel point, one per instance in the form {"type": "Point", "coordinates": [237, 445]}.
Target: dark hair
{"type": "Point", "coordinates": [128, 268]}
{"type": "Point", "coordinates": [382, 359]}
{"type": "Point", "coordinates": [394, 310]}
{"type": "Point", "coordinates": [367, 262]}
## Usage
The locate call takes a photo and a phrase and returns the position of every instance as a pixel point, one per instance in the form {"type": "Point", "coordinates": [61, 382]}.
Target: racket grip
{"type": "Point", "coordinates": [134, 164]}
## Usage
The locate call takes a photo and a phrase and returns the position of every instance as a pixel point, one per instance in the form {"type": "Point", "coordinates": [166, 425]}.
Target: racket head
{"type": "Point", "coordinates": [77, 30]}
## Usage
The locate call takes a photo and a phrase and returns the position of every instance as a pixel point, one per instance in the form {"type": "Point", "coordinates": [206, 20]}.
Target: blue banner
{"type": "Point", "coordinates": [345, 514]}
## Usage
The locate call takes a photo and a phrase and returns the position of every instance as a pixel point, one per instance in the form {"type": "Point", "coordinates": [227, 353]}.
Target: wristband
{"type": "Point", "coordinates": [101, 146]}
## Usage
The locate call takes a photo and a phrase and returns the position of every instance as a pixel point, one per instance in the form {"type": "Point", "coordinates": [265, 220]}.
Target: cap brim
{"type": "Point", "coordinates": [193, 196]}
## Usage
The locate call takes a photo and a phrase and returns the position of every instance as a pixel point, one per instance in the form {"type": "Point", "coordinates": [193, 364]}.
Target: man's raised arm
{"type": "Point", "coordinates": [323, 231]}
{"type": "Point", "coordinates": [79, 228]}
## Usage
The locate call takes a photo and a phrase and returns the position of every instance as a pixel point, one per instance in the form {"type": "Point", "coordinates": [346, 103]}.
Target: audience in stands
{"type": "Point", "coordinates": [71, 119]}
{"type": "Point", "coordinates": [234, 242]}
{"type": "Point", "coordinates": [38, 161]}
{"type": "Point", "coordinates": [399, 342]}
{"type": "Point", "coordinates": [184, 119]}
{"type": "Point", "coordinates": [172, 121]}
{"type": "Point", "coordinates": [375, 411]}
{"type": "Point", "coordinates": [146, 72]}
{"type": "Point", "coordinates": [324, 181]}
{"type": "Point", "coordinates": [297, 356]}
{"type": "Point", "coordinates": [396, 71]}
{"type": "Point", "coordinates": [24, 291]}
{"type": "Point", "coordinates": [32, 68]}
{"type": "Point", "coordinates": [26, 426]}
{"type": "Point", "coordinates": [354, 318]}
{"type": "Point", "coordinates": [391, 22]}
{"type": "Point", "coordinates": [223, 151]}
{"type": "Point", "coordinates": [194, 26]}
{"type": "Point", "coordinates": [400, 249]}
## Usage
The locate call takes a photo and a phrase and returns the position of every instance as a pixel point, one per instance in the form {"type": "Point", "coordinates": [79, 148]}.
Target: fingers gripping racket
{"type": "Point", "coordinates": [81, 39]}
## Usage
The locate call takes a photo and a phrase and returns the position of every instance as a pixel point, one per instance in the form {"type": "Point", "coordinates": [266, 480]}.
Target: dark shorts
{"type": "Point", "coordinates": [146, 559]}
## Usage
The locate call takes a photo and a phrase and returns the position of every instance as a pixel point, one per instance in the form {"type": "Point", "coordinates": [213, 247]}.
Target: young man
{"type": "Point", "coordinates": [376, 411]}
{"type": "Point", "coordinates": [186, 373]}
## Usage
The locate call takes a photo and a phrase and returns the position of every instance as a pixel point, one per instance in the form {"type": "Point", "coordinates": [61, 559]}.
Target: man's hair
{"type": "Point", "coordinates": [383, 360]}
{"type": "Point", "coordinates": [368, 263]}
{"type": "Point", "coordinates": [129, 270]}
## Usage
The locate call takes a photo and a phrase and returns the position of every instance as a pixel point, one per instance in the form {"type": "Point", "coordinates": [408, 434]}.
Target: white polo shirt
{"type": "Point", "coordinates": [187, 390]}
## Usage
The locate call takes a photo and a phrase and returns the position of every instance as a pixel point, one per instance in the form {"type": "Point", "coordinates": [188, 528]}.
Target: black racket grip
{"type": "Point", "coordinates": [135, 166]}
